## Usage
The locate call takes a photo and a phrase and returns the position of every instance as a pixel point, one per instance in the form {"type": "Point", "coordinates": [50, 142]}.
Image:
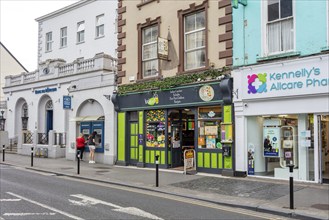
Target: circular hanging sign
{"type": "Point", "coordinates": [206, 93]}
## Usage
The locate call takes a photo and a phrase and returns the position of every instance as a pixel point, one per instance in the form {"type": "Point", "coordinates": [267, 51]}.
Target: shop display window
{"type": "Point", "coordinates": [209, 127]}
{"type": "Point", "coordinates": [155, 128]}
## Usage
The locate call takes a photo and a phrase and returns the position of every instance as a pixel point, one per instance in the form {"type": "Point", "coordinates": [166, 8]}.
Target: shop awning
{"type": "Point", "coordinates": [88, 118]}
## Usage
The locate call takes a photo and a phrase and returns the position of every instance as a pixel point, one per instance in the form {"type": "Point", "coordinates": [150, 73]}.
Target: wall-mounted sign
{"type": "Point", "coordinates": [46, 90]}
{"type": "Point", "coordinates": [298, 77]}
{"type": "Point", "coordinates": [67, 102]}
{"type": "Point", "coordinates": [163, 48]}
{"type": "Point", "coordinates": [206, 93]}
{"type": "Point", "coordinates": [271, 141]}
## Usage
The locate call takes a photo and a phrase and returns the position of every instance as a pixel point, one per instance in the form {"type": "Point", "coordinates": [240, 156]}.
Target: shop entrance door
{"type": "Point", "coordinates": [323, 123]}
{"type": "Point", "coordinates": [176, 145]}
{"type": "Point", "coordinates": [133, 144]}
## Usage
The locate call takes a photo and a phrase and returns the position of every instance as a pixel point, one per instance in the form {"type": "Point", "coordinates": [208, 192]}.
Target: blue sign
{"type": "Point", "coordinates": [66, 102]}
{"type": "Point", "coordinates": [46, 90]}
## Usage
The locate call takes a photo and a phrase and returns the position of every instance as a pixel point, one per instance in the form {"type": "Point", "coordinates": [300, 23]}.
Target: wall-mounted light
{"type": "Point", "coordinates": [91, 101]}
{"type": "Point", "coordinates": [107, 97]}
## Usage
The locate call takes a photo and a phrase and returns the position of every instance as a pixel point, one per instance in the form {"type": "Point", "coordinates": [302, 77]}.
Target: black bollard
{"type": "Point", "coordinates": [3, 153]}
{"type": "Point", "coordinates": [156, 170]}
{"type": "Point", "coordinates": [78, 159]}
{"type": "Point", "coordinates": [291, 183]}
{"type": "Point", "coordinates": [32, 156]}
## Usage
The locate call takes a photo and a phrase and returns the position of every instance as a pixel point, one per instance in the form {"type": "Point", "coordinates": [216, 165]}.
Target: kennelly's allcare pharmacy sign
{"type": "Point", "coordinates": [295, 77]}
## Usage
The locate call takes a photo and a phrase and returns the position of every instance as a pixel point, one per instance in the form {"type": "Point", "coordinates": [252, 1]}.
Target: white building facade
{"type": "Point", "coordinates": [282, 118]}
{"type": "Point", "coordinates": [69, 92]}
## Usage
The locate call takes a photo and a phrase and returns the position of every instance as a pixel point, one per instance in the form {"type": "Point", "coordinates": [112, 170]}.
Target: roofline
{"type": "Point", "coordinates": [14, 57]}
{"type": "Point", "coordinates": [64, 10]}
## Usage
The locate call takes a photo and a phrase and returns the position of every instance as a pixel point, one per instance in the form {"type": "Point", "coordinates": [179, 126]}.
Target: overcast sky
{"type": "Point", "coordinates": [19, 30]}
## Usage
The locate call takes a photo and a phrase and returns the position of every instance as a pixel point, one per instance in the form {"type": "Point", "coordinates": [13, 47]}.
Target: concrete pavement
{"type": "Point", "coordinates": [311, 201]}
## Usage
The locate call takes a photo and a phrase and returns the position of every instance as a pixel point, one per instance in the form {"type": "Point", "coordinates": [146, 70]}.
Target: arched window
{"type": "Point", "coordinates": [25, 116]}
{"type": "Point", "coordinates": [49, 105]}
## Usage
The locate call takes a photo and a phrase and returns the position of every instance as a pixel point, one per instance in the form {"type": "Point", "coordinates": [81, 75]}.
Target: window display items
{"type": "Point", "coordinates": [271, 141]}
{"type": "Point", "coordinates": [155, 128]}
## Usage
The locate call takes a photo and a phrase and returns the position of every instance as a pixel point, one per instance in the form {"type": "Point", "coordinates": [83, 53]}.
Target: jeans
{"type": "Point", "coordinates": [81, 152]}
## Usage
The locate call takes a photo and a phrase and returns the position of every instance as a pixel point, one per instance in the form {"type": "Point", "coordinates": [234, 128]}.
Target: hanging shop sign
{"type": "Point", "coordinates": [295, 77]}
{"type": "Point", "coordinates": [163, 48]}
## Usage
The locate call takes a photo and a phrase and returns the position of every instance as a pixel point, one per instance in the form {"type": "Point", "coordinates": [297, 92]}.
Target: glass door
{"type": "Point", "coordinates": [176, 145]}
{"type": "Point", "coordinates": [323, 127]}
{"type": "Point", "coordinates": [133, 145]}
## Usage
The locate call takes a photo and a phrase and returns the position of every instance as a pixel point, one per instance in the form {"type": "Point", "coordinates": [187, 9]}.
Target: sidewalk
{"type": "Point", "coordinates": [311, 201]}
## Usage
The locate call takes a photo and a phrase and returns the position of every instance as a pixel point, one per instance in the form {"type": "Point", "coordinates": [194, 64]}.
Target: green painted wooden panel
{"type": "Point", "coordinates": [121, 136]}
{"type": "Point", "coordinates": [207, 160]}
{"type": "Point", "coordinates": [220, 160]}
{"type": "Point", "coordinates": [227, 114]}
{"type": "Point", "coordinates": [152, 156]}
{"type": "Point", "coordinates": [140, 151]}
{"type": "Point", "coordinates": [228, 162]}
{"type": "Point", "coordinates": [147, 156]}
{"type": "Point", "coordinates": [133, 153]}
{"type": "Point", "coordinates": [163, 157]}
{"type": "Point", "coordinates": [133, 129]}
{"type": "Point", "coordinates": [133, 141]}
{"type": "Point", "coordinates": [169, 157]}
{"type": "Point", "coordinates": [200, 159]}
{"type": "Point", "coordinates": [214, 160]}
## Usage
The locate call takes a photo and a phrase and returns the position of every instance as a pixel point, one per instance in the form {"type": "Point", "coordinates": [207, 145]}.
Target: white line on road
{"type": "Point", "coordinates": [28, 214]}
{"type": "Point", "coordinates": [86, 200]}
{"type": "Point", "coordinates": [47, 207]}
{"type": "Point", "coordinates": [10, 200]}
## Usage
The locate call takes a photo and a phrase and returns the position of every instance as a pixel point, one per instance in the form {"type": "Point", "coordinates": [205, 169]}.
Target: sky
{"type": "Point", "coordinates": [19, 30]}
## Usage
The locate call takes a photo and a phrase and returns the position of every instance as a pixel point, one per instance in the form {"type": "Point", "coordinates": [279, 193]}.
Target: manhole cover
{"type": "Point", "coordinates": [321, 206]}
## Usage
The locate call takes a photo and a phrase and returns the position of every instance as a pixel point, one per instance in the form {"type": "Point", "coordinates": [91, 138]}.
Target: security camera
{"type": "Point", "coordinates": [245, 104]}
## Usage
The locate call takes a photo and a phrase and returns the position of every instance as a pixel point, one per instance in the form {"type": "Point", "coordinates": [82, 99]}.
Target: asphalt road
{"type": "Point", "coordinates": [26, 194]}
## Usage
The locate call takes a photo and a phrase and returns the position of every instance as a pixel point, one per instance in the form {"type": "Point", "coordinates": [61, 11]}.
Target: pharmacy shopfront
{"type": "Point", "coordinates": [168, 123]}
{"type": "Point", "coordinates": [282, 118]}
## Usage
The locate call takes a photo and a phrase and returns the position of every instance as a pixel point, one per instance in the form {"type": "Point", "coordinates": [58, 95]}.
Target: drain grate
{"type": "Point", "coordinates": [321, 206]}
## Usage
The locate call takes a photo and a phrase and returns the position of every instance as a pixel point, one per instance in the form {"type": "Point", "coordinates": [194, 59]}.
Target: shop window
{"type": "Point", "coordinates": [155, 128]}
{"type": "Point", "coordinates": [209, 126]}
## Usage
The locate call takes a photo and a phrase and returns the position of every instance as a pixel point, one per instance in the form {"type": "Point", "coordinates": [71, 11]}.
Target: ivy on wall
{"type": "Point", "coordinates": [170, 82]}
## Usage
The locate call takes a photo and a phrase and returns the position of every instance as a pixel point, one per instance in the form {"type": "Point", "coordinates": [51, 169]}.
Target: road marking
{"type": "Point", "coordinates": [86, 200]}
{"type": "Point", "coordinates": [10, 200]}
{"type": "Point", "coordinates": [28, 214]}
{"type": "Point", "coordinates": [47, 207]}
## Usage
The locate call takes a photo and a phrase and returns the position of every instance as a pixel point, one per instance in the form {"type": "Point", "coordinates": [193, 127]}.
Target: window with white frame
{"type": "Point", "coordinates": [149, 51]}
{"type": "Point", "coordinates": [81, 32]}
{"type": "Point", "coordinates": [195, 40]}
{"type": "Point", "coordinates": [49, 41]}
{"type": "Point", "coordinates": [100, 26]}
{"type": "Point", "coordinates": [63, 37]}
{"type": "Point", "coordinates": [280, 26]}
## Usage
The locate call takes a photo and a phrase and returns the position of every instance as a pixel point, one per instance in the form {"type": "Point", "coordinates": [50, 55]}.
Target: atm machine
{"type": "Point", "coordinates": [87, 127]}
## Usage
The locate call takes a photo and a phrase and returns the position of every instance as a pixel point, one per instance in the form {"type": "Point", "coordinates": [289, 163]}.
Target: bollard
{"type": "Point", "coordinates": [78, 159]}
{"type": "Point", "coordinates": [32, 156]}
{"type": "Point", "coordinates": [291, 183]}
{"type": "Point", "coordinates": [3, 153]}
{"type": "Point", "coordinates": [156, 170]}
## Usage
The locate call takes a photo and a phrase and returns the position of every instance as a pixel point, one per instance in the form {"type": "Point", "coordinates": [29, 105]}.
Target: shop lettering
{"type": "Point", "coordinates": [176, 96]}
{"type": "Point", "coordinates": [308, 75]}
{"type": "Point", "coordinates": [46, 90]}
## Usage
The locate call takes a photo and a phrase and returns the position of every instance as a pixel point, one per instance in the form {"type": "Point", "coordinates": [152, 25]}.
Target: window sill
{"type": "Point", "coordinates": [80, 42]}
{"type": "Point", "coordinates": [63, 47]}
{"type": "Point", "coordinates": [99, 37]}
{"type": "Point", "coordinates": [325, 49]}
{"type": "Point", "coordinates": [139, 6]}
{"type": "Point", "coordinates": [151, 78]}
{"type": "Point", "coordinates": [48, 51]}
{"type": "Point", "coordinates": [278, 56]}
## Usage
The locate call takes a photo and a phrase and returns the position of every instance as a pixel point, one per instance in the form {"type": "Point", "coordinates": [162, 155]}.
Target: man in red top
{"type": "Point", "coordinates": [80, 143]}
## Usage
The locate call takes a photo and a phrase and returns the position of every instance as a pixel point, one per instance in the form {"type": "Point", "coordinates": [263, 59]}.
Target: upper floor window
{"type": "Point", "coordinates": [195, 40]}
{"type": "Point", "coordinates": [100, 26]}
{"type": "Point", "coordinates": [280, 26]}
{"type": "Point", "coordinates": [63, 36]}
{"type": "Point", "coordinates": [49, 41]}
{"type": "Point", "coordinates": [150, 66]}
{"type": "Point", "coordinates": [81, 32]}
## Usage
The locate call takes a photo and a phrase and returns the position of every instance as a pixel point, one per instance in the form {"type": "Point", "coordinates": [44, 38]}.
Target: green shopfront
{"type": "Point", "coordinates": [168, 122]}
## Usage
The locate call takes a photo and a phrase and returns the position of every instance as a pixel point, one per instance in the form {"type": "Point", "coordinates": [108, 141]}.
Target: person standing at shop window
{"type": "Point", "coordinates": [92, 147]}
{"type": "Point", "coordinates": [80, 143]}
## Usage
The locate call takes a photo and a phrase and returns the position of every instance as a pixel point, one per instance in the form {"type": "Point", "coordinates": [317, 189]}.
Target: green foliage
{"type": "Point", "coordinates": [170, 82]}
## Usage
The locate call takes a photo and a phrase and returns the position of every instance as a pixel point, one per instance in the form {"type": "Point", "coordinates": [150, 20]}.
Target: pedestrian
{"type": "Point", "coordinates": [92, 147]}
{"type": "Point", "coordinates": [80, 142]}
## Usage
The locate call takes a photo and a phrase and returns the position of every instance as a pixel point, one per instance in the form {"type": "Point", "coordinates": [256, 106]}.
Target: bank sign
{"type": "Point", "coordinates": [302, 77]}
